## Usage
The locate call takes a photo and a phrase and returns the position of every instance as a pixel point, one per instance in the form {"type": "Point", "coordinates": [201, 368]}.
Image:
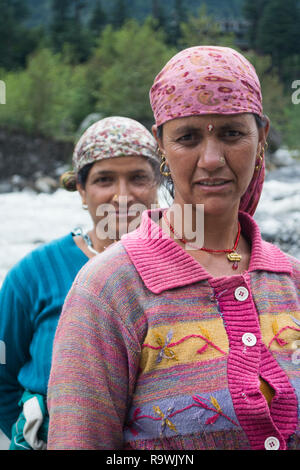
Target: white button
{"type": "Point", "coordinates": [241, 294]}
{"type": "Point", "coordinates": [249, 339]}
{"type": "Point", "coordinates": [272, 443]}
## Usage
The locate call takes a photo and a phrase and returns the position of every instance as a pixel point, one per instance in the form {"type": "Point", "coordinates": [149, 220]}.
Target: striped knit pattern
{"type": "Point", "coordinates": [149, 352]}
{"type": "Point", "coordinates": [31, 300]}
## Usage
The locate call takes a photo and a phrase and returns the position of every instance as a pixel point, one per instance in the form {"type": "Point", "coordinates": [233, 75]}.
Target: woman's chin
{"type": "Point", "coordinates": [219, 208]}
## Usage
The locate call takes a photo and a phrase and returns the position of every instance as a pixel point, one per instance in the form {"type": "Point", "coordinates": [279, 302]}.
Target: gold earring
{"type": "Point", "coordinates": [115, 198]}
{"type": "Point", "coordinates": [261, 157]}
{"type": "Point", "coordinates": [163, 163]}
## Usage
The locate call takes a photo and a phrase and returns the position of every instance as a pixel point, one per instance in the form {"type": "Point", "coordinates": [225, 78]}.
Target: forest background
{"type": "Point", "coordinates": [62, 60]}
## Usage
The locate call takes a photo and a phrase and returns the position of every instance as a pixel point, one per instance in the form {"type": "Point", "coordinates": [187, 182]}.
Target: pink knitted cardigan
{"type": "Point", "coordinates": [152, 352]}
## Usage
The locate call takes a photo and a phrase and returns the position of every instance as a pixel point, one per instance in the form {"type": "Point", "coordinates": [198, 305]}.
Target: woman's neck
{"type": "Point", "coordinates": [217, 231]}
{"type": "Point", "coordinates": [99, 244]}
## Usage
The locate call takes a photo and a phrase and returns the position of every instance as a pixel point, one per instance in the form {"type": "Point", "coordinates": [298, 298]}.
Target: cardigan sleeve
{"type": "Point", "coordinates": [94, 365]}
{"type": "Point", "coordinates": [15, 337]}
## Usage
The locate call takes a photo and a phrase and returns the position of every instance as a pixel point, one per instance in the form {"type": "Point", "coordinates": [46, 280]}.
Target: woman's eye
{"type": "Point", "coordinates": [187, 138]}
{"type": "Point", "coordinates": [232, 133]}
{"type": "Point", "coordinates": [103, 180]}
{"type": "Point", "coordinates": [140, 179]}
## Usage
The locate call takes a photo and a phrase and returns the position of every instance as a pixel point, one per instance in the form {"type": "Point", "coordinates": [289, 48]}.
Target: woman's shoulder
{"type": "Point", "coordinates": [295, 264]}
{"type": "Point", "coordinates": [291, 261]}
{"type": "Point", "coordinates": [36, 256]}
{"type": "Point", "coordinates": [108, 270]}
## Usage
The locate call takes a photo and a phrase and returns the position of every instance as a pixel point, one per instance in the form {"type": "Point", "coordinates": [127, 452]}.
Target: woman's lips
{"type": "Point", "coordinates": [124, 213]}
{"type": "Point", "coordinates": [213, 185]}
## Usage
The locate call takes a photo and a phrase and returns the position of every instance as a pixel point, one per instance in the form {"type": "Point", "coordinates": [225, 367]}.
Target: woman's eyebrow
{"type": "Point", "coordinates": [113, 172]}
{"type": "Point", "coordinates": [186, 129]}
{"type": "Point", "coordinates": [235, 124]}
{"type": "Point", "coordinates": [103, 172]}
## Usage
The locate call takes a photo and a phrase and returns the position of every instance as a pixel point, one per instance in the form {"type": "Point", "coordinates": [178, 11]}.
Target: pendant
{"type": "Point", "coordinates": [234, 258]}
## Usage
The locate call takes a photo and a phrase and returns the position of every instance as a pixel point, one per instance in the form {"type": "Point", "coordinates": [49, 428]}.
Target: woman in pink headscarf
{"type": "Point", "coordinates": [191, 331]}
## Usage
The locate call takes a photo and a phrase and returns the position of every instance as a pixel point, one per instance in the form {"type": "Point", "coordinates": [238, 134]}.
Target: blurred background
{"type": "Point", "coordinates": [66, 63]}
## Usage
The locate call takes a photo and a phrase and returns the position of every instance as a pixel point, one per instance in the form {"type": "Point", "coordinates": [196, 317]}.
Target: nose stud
{"type": "Point", "coordinates": [222, 160]}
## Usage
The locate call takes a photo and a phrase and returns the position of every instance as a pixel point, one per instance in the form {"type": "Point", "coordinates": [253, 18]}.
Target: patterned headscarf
{"type": "Point", "coordinates": [109, 138]}
{"type": "Point", "coordinates": [113, 137]}
{"type": "Point", "coordinates": [210, 80]}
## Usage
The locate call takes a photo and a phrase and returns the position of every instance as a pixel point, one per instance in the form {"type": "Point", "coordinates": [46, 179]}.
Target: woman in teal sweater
{"type": "Point", "coordinates": [114, 161]}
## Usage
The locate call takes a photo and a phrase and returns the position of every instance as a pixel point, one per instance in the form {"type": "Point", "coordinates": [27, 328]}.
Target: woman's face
{"type": "Point", "coordinates": [212, 158]}
{"type": "Point", "coordinates": [114, 189]}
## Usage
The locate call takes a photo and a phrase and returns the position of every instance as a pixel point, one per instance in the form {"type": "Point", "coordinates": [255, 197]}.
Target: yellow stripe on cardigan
{"type": "Point", "coordinates": [280, 332]}
{"type": "Point", "coordinates": [183, 343]}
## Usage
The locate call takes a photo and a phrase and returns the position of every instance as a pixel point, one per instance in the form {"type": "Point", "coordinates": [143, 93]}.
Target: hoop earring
{"type": "Point", "coordinates": [163, 163]}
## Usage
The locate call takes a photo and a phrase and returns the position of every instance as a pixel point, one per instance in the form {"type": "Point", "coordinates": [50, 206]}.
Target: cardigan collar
{"type": "Point", "coordinates": [163, 264]}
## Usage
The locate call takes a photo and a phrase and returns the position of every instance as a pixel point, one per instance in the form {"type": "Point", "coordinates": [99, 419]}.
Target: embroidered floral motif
{"type": "Point", "coordinates": [275, 329]}
{"type": "Point", "coordinates": [216, 407]}
{"type": "Point", "coordinates": [277, 332]}
{"type": "Point", "coordinates": [207, 336]}
{"type": "Point", "coordinates": [198, 402]}
{"type": "Point", "coordinates": [164, 419]}
{"type": "Point", "coordinates": [166, 347]}
{"type": "Point", "coordinates": [166, 351]}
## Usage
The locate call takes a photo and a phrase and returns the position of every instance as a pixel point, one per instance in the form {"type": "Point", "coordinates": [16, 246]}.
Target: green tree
{"type": "Point", "coordinates": [16, 41]}
{"type": "Point", "coordinates": [48, 97]}
{"type": "Point", "coordinates": [275, 99]}
{"type": "Point", "coordinates": [127, 61]}
{"type": "Point", "coordinates": [98, 19]}
{"type": "Point", "coordinates": [253, 12]}
{"type": "Point", "coordinates": [290, 130]}
{"type": "Point", "coordinates": [158, 14]}
{"type": "Point", "coordinates": [278, 30]}
{"type": "Point", "coordinates": [203, 29]}
{"type": "Point", "coordinates": [67, 27]}
{"type": "Point", "coordinates": [178, 16]}
{"type": "Point", "coordinates": [60, 23]}
{"type": "Point", "coordinates": [119, 13]}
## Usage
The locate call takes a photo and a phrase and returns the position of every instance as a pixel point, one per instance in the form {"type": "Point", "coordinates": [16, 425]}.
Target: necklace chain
{"type": "Point", "coordinates": [232, 256]}
{"type": "Point", "coordinates": [79, 232]}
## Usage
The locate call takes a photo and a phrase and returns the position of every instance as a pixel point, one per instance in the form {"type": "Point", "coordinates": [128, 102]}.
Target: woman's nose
{"type": "Point", "coordinates": [123, 190]}
{"type": "Point", "coordinates": [210, 156]}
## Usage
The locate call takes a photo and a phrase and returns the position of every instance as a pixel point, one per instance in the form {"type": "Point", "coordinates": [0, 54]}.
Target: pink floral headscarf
{"type": "Point", "coordinates": [210, 80]}
{"type": "Point", "coordinates": [113, 137]}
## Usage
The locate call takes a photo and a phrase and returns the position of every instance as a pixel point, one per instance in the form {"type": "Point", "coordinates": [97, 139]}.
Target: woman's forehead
{"type": "Point", "coordinates": [117, 164]}
{"type": "Point", "coordinates": [206, 119]}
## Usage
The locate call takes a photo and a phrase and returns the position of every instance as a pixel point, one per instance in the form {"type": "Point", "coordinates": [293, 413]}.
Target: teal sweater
{"type": "Point", "coordinates": [31, 300]}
